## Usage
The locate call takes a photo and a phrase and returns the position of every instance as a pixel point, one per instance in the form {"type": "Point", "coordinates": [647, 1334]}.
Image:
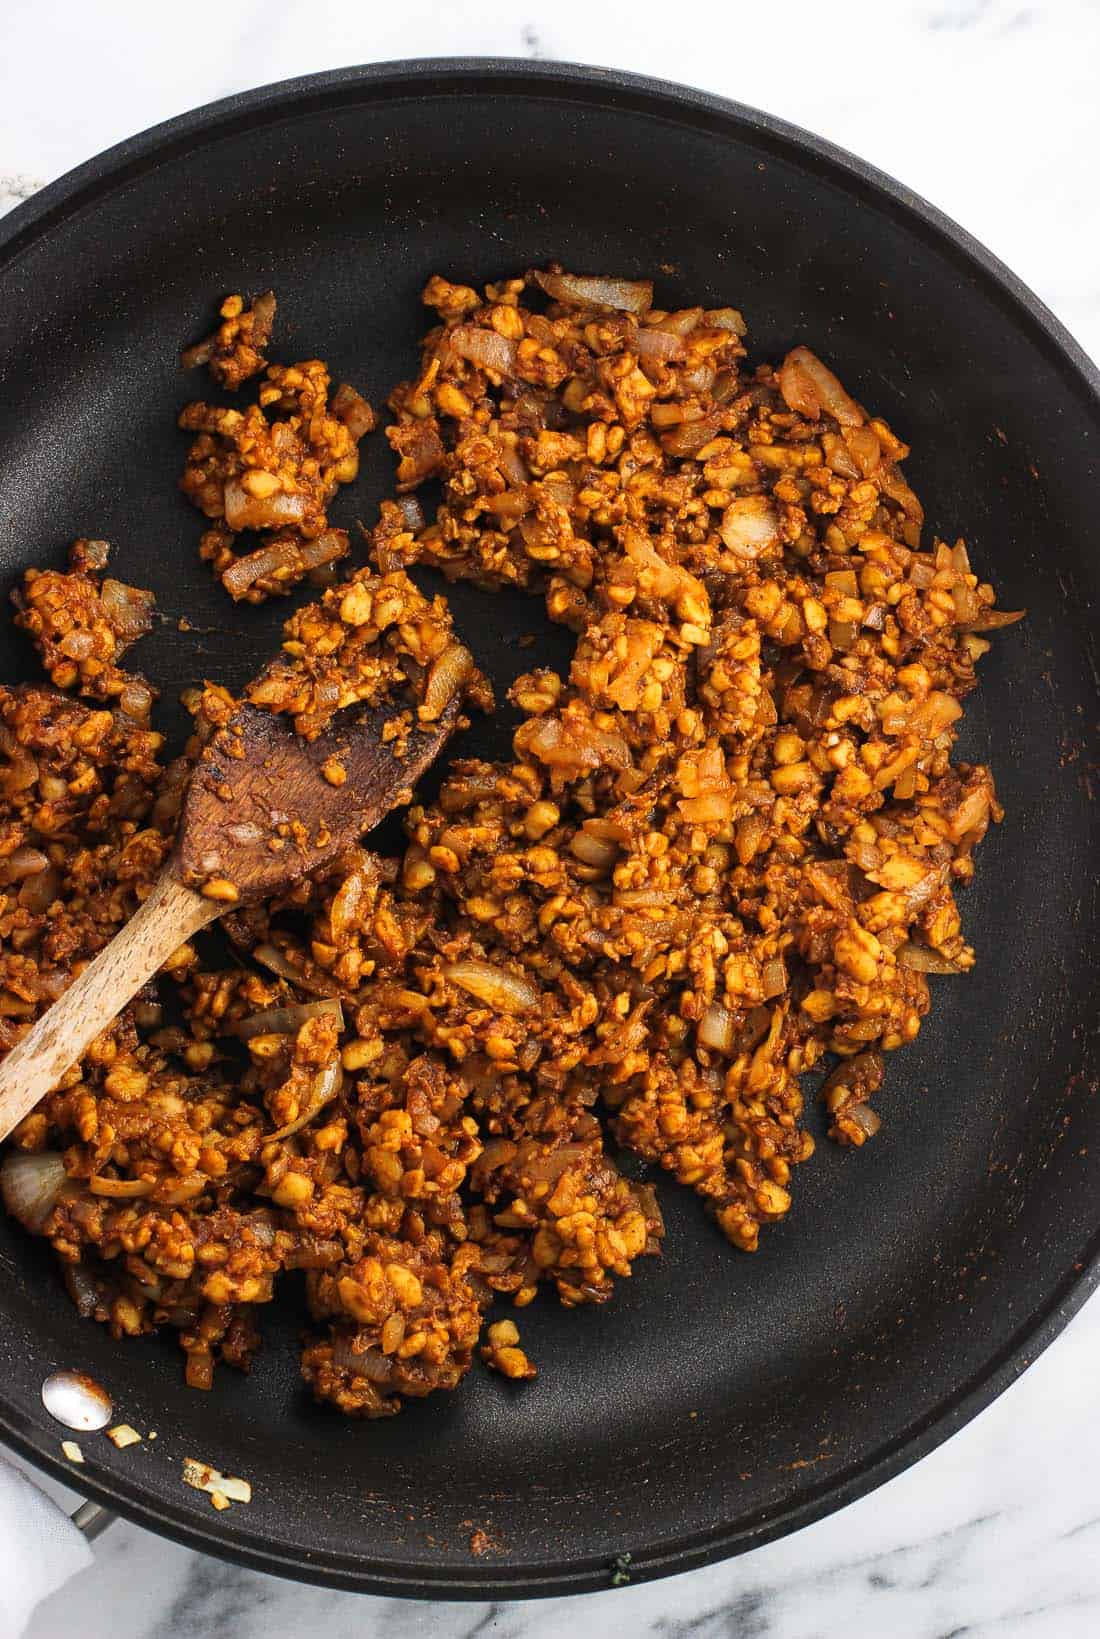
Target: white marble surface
{"type": "Point", "coordinates": [989, 108]}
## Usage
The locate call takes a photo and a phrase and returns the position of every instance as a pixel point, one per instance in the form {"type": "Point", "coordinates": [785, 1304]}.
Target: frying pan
{"type": "Point", "coordinates": [719, 1400]}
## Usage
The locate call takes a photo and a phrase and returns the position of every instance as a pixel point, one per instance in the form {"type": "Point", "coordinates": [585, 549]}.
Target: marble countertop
{"type": "Point", "coordinates": [988, 108]}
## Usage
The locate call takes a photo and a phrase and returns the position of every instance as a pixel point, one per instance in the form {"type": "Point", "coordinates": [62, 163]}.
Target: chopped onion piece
{"type": "Point", "coordinates": [626, 295]}
{"type": "Point", "coordinates": [717, 1029]}
{"type": "Point", "coordinates": [662, 345]}
{"type": "Point", "coordinates": [774, 978]}
{"type": "Point", "coordinates": [353, 410]}
{"type": "Point", "coordinates": [128, 608]}
{"type": "Point", "coordinates": [592, 850]}
{"type": "Point", "coordinates": [326, 1085]}
{"type": "Point", "coordinates": [843, 633]}
{"type": "Point", "coordinates": [22, 863]}
{"type": "Point", "coordinates": [411, 511]}
{"type": "Point", "coordinates": [867, 1119]}
{"type": "Point", "coordinates": [725, 318]}
{"type": "Point", "coordinates": [493, 985]}
{"type": "Point", "coordinates": [925, 960]}
{"type": "Point", "coordinates": [244, 511]}
{"type": "Point", "coordinates": [369, 1363]}
{"type": "Point", "coordinates": [31, 1186]}
{"type": "Point", "coordinates": [993, 619]}
{"type": "Point", "coordinates": [809, 387]}
{"type": "Point", "coordinates": [273, 958]}
{"type": "Point", "coordinates": [122, 1189]}
{"type": "Point", "coordinates": [485, 348]}
{"type": "Point", "coordinates": [893, 484]}
{"type": "Point", "coordinates": [866, 451]}
{"type": "Point", "coordinates": [445, 680]}
{"type": "Point", "coordinates": [690, 436]}
{"type": "Point", "coordinates": [750, 526]}
{"type": "Point", "coordinates": [287, 1021]}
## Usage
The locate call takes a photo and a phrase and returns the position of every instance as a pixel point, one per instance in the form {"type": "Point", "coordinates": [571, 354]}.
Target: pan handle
{"type": "Point", "coordinates": [92, 1519]}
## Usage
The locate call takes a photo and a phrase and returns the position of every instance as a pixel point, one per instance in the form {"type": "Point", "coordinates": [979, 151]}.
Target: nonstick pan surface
{"type": "Point", "coordinates": [720, 1400]}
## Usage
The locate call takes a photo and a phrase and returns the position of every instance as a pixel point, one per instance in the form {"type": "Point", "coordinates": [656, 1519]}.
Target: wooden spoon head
{"type": "Point", "coordinates": [260, 813]}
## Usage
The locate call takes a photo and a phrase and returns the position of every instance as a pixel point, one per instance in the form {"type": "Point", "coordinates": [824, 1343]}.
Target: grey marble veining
{"type": "Point", "coordinates": [987, 107]}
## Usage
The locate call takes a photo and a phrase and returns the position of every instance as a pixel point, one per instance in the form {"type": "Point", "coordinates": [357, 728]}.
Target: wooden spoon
{"type": "Point", "coordinates": [258, 814]}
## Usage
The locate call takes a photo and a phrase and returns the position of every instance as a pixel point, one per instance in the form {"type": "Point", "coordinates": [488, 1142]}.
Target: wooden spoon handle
{"type": "Point", "coordinates": [168, 918]}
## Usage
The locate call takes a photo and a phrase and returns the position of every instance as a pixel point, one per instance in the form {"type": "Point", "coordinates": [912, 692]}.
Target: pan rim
{"type": "Point", "coordinates": [79, 189]}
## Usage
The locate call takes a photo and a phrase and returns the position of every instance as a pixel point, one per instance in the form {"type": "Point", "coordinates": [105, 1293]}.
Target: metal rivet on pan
{"type": "Point", "coordinates": [76, 1400]}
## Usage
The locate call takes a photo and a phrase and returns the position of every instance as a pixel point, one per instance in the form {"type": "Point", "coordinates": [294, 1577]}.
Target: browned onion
{"type": "Point", "coordinates": [562, 490]}
{"type": "Point", "coordinates": [865, 1118]}
{"type": "Point", "coordinates": [21, 772]}
{"type": "Point", "coordinates": [717, 1029]}
{"type": "Point", "coordinates": [894, 485]}
{"type": "Point", "coordinates": [547, 739]}
{"type": "Point", "coordinates": [369, 1363]}
{"type": "Point", "coordinates": [493, 985]}
{"type": "Point", "coordinates": [411, 511]}
{"type": "Point", "coordinates": [77, 645]}
{"type": "Point", "coordinates": [592, 850]}
{"type": "Point", "coordinates": [128, 608]}
{"type": "Point", "coordinates": [925, 960]}
{"type": "Point", "coordinates": [626, 295]}
{"type": "Point", "coordinates": [201, 353]}
{"type": "Point", "coordinates": [865, 448]}
{"type": "Point", "coordinates": [22, 863]}
{"type": "Point", "coordinates": [993, 620]}
{"type": "Point", "coordinates": [187, 1189]}
{"type": "Point", "coordinates": [445, 680]}
{"type": "Point", "coordinates": [136, 700]}
{"type": "Point", "coordinates": [683, 321]}
{"type": "Point", "coordinates": [750, 526]}
{"type": "Point", "coordinates": [838, 456]}
{"type": "Point", "coordinates": [273, 958]}
{"type": "Point", "coordinates": [39, 891]}
{"type": "Point", "coordinates": [809, 387]}
{"type": "Point", "coordinates": [82, 1289]}
{"type": "Point", "coordinates": [287, 1021]}
{"type": "Point", "coordinates": [31, 1186]}
{"type": "Point", "coordinates": [643, 899]}
{"type": "Point", "coordinates": [690, 436]}
{"type": "Point", "coordinates": [700, 379]}
{"type": "Point", "coordinates": [512, 465]}
{"type": "Point", "coordinates": [327, 1084]}
{"type": "Point", "coordinates": [329, 547]}
{"type": "Point", "coordinates": [263, 317]}
{"type": "Point", "coordinates": [122, 1189]}
{"type": "Point", "coordinates": [485, 348]}
{"type": "Point", "coordinates": [353, 410]}
{"type": "Point", "coordinates": [773, 977]}
{"type": "Point", "coordinates": [243, 574]}
{"type": "Point", "coordinates": [725, 318]}
{"type": "Point", "coordinates": [346, 903]}
{"type": "Point", "coordinates": [244, 511]}
{"type": "Point", "coordinates": [967, 604]}
{"type": "Point", "coordinates": [661, 345]}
